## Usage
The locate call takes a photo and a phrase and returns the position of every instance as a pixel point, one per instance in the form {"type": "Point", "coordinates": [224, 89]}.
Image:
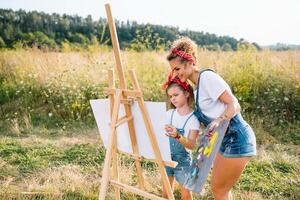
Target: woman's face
{"type": "Point", "coordinates": [182, 70]}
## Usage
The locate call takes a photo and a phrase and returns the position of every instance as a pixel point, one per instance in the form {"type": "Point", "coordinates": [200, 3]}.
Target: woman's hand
{"type": "Point", "coordinates": [171, 131]}
{"type": "Point", "coordinates": [214, 124]}
{"type": "Point", "coordinates": [232, 107]}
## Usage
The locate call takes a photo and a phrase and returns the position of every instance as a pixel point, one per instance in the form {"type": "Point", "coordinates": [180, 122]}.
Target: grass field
{"type": "Point", "coordinates": [50, 147]}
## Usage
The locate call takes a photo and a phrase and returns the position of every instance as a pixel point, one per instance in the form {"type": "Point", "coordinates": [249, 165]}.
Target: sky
{"type": "Point", "coordinates": [265, 22]}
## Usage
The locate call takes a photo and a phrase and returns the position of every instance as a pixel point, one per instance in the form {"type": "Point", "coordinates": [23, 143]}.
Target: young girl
{"type": "Point", "coordinates": [182, 128]}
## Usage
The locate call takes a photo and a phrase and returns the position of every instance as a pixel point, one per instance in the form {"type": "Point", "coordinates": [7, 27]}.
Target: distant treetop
{"type": "Point", "coordinates": [52, 31]}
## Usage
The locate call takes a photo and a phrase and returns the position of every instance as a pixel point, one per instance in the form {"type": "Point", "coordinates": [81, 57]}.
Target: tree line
{"type": "Point", "coordinates": [20, 29]}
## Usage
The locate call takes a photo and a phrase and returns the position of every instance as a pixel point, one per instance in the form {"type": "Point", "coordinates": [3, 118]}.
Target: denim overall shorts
{"type": "Point", "coordinates": [179, 154]}
{"type": "Point", "coordinates": [239, 140]}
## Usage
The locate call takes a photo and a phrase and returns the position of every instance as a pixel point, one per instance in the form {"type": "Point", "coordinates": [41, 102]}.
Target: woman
{"type": "Point", "coordinates": [214, 104]}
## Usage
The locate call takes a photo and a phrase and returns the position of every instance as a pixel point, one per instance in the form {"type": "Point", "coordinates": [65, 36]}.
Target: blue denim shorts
{"type": "Point", "coordinates": [239, 142]}
{"type": "Point", "coordinates": [184, 162]}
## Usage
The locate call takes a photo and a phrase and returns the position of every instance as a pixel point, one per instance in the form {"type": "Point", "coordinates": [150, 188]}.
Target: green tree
{"type": "Point", "coordinates": [78, 30]}
{"type": "Point", "coordinates": [2, 43]}
{"type": "Point", "coordinates": [147, 39]}
{"type": "Point", "coordinates": [245, 46]}
{"type": "Point", "coordinates": [8, 33]}
{"type": "Point", "coordinates": [226, 47]}
{"type": "Point", "coordinates": [79, 39]}
{"type": "Point", "coordinates": [213, 47]}
{"type": "Point", "coordinates": [35, 39]}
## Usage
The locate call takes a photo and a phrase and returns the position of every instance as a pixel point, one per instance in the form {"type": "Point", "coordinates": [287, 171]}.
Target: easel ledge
{"type": "Point", "coordinates": [141, 158]}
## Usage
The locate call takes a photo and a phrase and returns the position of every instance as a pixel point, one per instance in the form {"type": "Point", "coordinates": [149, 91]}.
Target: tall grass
{"type": "Point", "coordinates": [47, 90]}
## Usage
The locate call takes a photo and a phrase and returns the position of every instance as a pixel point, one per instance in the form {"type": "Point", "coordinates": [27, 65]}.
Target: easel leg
{"type": "Point", "coordinates": [111, 83]}
{"type": "Point", "coordinates": [108, 155]}
{"type": "Point", "coordinates": [116, 170]}
{"type": "Point", "coordinates": [155, 147]}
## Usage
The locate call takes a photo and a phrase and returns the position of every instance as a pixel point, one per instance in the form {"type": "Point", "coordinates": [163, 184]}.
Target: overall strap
{"type": "Point", "coordinates": [172, 117]}
{"type": "Point", "coordinates": [198, 84]}
{"type": "Point", "coordinates": [187, 120]}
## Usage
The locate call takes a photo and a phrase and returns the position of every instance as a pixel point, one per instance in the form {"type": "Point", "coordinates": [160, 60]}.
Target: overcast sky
{"type": "Point", "coordinates": [263, 21]}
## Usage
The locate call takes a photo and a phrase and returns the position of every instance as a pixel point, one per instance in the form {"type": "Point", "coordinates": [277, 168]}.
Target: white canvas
{"type": "Point", "coordinates": [157, 113]}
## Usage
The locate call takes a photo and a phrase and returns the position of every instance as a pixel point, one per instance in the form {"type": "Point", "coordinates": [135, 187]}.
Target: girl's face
{"type": "Point", "coordinates": [177, 97]}
{"type": "Point", "coordinates": [182, 70]}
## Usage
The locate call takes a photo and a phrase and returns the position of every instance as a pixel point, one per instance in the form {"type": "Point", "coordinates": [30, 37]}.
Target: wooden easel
{"type": "Point", "coordinates": [118, 96]}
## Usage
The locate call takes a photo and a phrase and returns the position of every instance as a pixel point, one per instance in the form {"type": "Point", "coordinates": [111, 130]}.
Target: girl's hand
{"type": "Point", "coordinates": [171, 131]}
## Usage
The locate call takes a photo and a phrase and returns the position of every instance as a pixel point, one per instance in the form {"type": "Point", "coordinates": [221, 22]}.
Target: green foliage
{"type": "Point", "coordinates": [44, 108]}
{"type": "Point", "coordinates": [78, 195]}
{"type": "Point", "coordinates": [146, 39]}
{"type": "Point", "coordinates": [226, 47]}
{"type": "Point", "coordinates": [267, 93]}
{"type": "Point", "coordinates": [84, 154]}
{"type": "Point", "coordinates": [22, 157]}
{"type": "Point", "coordinates": [213, 47]}
{"type": "Point", "coordinates": [35, 39]}
{"type": "Point", "coordinates": [277, 179]}
{"type": "Point", "coordinates": [284, 47]}
{"type": "Point", "coordinates": [246, 46]}
{"type": "Point", "coordinates": [59, 105]}
{"type": "Point", "coordinates": [66, 46]}
{"type": "Point", "coordinates": [36, 157]}
{"type": "Point", "coordinates": [79, 38]}
{"type": "Point", "coordinates": [274, 174]}
{"type": "Point", "coordinates": [19, 28]}
{"type": "Point", "coordinates": [2, 43]}
{"type": "Point", "coordinates": [267, 96]}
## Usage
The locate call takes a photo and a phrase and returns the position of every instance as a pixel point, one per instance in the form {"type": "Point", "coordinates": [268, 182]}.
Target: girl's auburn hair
{"type": "Point", "coordinates": [186, 45]}
{"type": "Point", "coordinates": [191, 98]}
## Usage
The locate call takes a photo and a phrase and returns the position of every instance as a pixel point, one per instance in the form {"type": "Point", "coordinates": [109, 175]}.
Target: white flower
{"type": "Point", "coordinates": [50, 114]}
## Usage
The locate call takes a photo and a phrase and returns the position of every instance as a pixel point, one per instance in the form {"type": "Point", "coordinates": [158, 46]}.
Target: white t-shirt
{"type": "Point", "coordinates": [179, 120]}
{"type": "Point", "coordinates": [210, 88]}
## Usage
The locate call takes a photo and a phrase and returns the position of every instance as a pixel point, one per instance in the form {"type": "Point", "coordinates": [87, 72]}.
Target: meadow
{"type": "Point", "coordinates": [50, 147]}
